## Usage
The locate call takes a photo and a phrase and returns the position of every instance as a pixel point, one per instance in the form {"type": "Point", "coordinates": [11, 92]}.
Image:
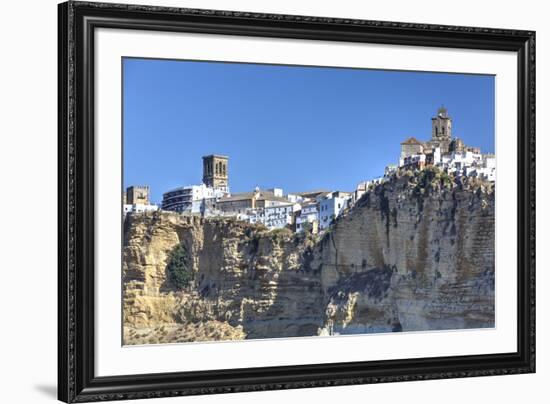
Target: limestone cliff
{"type": "Point", "coordinates": [414, 253]}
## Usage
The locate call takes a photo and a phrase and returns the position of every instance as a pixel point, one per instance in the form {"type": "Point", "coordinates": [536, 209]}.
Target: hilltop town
{"type": "Point", "coordinates": [311, 211]}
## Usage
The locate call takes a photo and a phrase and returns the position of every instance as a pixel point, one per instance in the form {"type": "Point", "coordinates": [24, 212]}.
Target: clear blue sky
{"type": "Point", "coordinates": [298, 128]}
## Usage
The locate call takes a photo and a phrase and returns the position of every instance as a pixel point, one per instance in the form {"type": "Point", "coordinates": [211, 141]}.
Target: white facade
{"type": "Point", "coordinates": [364, 186]}
{"type": "Point", "coordinates": [412, 160]}
{"type": "Point", "coordinates": [465, 163]}
{"type": "Point", "coordinates": [276, 191]}
{"type": "Point", "coordinates": [437, 155]}
{"type": "Point", "coordinates": [360, 190]}
{"type": "Point", "coordinates": [138, 208]}
{"type": "Point", "coordinates": [331, 206]}
{"type": "Point", "coordinates": [273, 217]}
{"type": "Point", "coordinates": [390, 169]}
{"type": "Point", "coordinates": [294, 198]}
{"type": "Point", "coordinates": [277, 217]}
{"type": "Point", "coordinates": [489, 161]}
{"type": "Point", "coordinates": [189, 198]}
{"type": "Point", "coordinates": [487, 173]}
{"type": "Point", "coordinates": [308, 214]}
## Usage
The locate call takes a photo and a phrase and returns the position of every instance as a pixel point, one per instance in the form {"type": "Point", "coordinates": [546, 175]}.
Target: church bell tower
{"type": "Point", "coordinates": [215, 173]}
{"type": "Point", "coordinates": [441, 125]}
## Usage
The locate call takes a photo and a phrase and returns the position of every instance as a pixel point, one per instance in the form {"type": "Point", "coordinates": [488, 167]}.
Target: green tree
{"type": "Point", "coordinates": [178, 266]}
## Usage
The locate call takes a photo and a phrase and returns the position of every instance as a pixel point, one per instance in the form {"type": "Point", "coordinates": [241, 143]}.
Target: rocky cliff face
{"type": "Point", "coordinates": [415, 253]}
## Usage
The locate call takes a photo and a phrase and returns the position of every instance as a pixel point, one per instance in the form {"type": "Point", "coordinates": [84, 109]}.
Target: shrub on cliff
{"type": "Point", "coordinates": [446, 180]}
{"type": "Point", "coordinates": [281, 234]}
{"type": "Point", "coordinates": [178, 266]}
{"type": "Point", "coordinates": [432, 178]}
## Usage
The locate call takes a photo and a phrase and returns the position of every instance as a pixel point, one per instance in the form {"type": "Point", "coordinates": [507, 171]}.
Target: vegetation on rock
{"type": "Point", "coordinates": [178, 267]}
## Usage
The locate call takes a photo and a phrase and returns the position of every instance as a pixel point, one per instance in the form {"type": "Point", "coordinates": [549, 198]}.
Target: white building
{"type": "Point", "coordinates": [309, 214]}
{"type": "Point", "coordinates": [138, 208]}
{"type": "Point", "coordinates": [462, 159]}
{"type": "Point", "coordinates": [461, 163]}
{"type": "Point", "coordinates": [488, 169]}
{"type": "Point", "coordinates": [487, 173]}
{"type": "Point", "coordinates": [469, 163]}
{"type": "Point", "coordinates": [437, 155]}
{"type": "Point", "coordinates": [189, 198]}
{"type": "Point", "coordinates": [417, 160]}
{"type": "Point", "coordinates": [489, 161]}
{"type": "Point", "coordinates": [277, 217]}
{"type": "Point", "coordinates": [331, 206]}
{"type": "Point", "coordinates": [364, 186]}
{"type": "Point", "coordinates": [360, 190]}
{"type": "Point", "coordinates": [276, 192]}
{"type": "Point", "coordinates": [273, 217]}
{"type": "Point", "coordinates": [390, 169]}
{"type": "Point", "coordinates": [294, 198]}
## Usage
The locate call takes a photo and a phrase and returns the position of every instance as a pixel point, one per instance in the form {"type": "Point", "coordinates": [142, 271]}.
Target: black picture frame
{"type": "Point", "coordinates": [77, 22]}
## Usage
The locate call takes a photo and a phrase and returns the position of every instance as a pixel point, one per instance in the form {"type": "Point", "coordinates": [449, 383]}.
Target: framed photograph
{"type": "Point", "coordinates": [257, 201]}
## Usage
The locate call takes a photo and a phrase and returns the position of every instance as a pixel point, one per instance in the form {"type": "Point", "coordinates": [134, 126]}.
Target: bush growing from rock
{"type": "Point", "coordinates": [178, 267]}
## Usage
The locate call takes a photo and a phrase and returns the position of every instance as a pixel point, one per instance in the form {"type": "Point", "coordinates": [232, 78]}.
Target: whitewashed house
{"type": "Point", "coordinates": [138, 208]}
{"type": "Point", "coordinates": [308, 215]}
{"type": "Point", "coordinates": [276, 192]}
{"type": "Point", "coordinates": [294, 198]}
{"type": "Point", "coordinates": [414, 160]}
{"type": "Point", "coordinates": [277, 217]}
{"type": "Point", "coordinates": [390, 169]}
{"type": "Point", "coordinates": [273, 217]}
{"type": "Point", "coordinates": [331, 206]}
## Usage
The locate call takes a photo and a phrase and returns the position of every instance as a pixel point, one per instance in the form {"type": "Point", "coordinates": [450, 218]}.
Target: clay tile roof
{"type": "Point", "coordinates": [268, 196]}
{"type": "Point", "coordinates": [312, 193]}
{"type": "Point", "coordinates": [237, 197]}
{"type": "Point", "coordinates": [262, 195]}
{"type": "Point", "coordinates": [412, 140]}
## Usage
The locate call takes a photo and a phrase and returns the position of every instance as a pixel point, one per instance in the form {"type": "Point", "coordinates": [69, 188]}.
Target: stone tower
{"type": "Point", "coordinates": [441, 125]}
{"type": "Point", "coordinates": [137, 195]}
{"type": "Point", "coordinates": [215, 173]}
